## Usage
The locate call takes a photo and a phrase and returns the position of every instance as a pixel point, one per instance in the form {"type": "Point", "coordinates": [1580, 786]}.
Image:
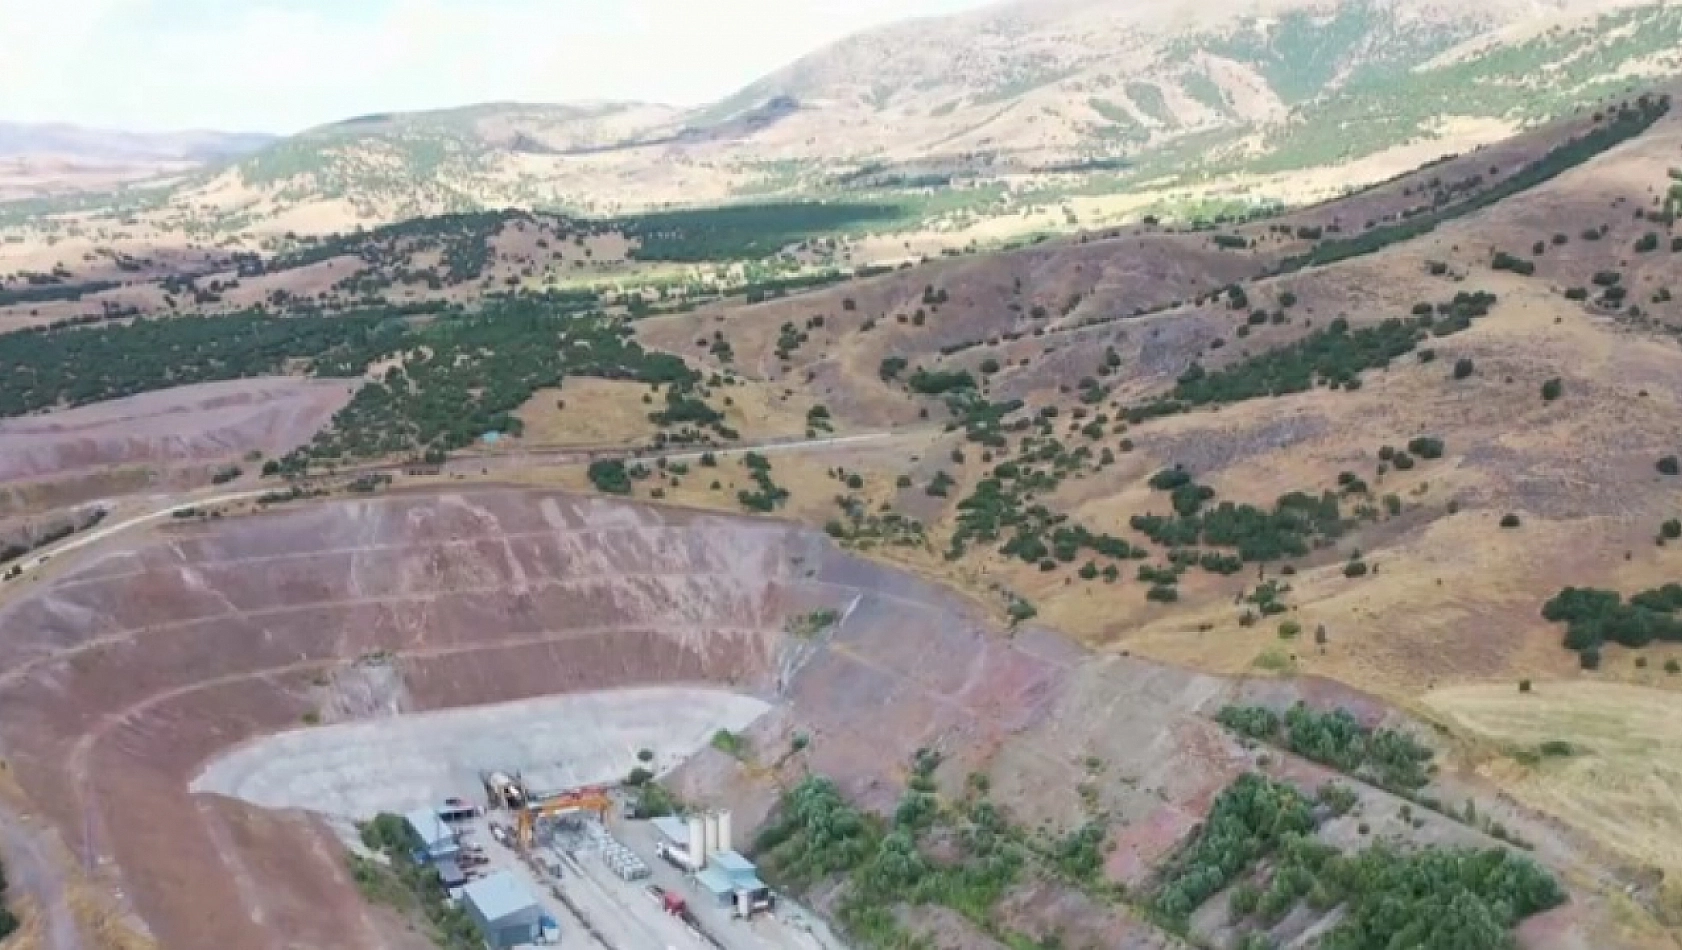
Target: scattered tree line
{"type": "Point", "coordinates": [1615, 127]}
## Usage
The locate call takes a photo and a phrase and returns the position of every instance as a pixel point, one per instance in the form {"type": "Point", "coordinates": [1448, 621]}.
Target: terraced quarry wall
{"type": "Point", "coordinates": [123, 679]}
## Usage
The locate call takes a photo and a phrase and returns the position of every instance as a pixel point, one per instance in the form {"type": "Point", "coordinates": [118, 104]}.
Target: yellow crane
{"type": "Point", "coordinates": [579, 799]}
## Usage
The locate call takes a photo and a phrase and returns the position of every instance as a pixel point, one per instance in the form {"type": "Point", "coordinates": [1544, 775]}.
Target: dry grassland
{"type": "Point", "coordinates": [1622, 781]}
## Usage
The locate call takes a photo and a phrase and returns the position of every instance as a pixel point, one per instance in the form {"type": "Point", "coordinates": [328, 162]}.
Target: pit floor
{"type": "Point", "coordinates": [393, 764]}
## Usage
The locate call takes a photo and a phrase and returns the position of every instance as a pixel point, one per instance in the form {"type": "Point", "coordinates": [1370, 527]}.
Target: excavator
{"type": "Point", "coordinates": [593, 798]}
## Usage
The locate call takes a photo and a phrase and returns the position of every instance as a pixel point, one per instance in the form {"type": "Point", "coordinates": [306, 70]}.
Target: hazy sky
{"type": "Point", "coordinates": [283, 65]}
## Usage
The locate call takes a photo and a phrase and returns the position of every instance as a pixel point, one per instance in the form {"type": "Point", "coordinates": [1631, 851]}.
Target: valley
{"type": "Point", "coordinates": [1157, 480]}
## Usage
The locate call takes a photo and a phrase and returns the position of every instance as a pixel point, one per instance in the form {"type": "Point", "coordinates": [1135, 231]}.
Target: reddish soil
{"type": "Point", "coordinates": [186, 429]}
{"type": "Point", "coordinates": [120, 680]}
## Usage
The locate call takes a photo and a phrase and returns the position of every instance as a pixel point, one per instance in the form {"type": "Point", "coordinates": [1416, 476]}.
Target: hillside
{"type": "Point", "coordinates": [40, 161]}
{"type": "Point", "coordinates": [77, 142]}
{"type": "Point", "coordinates": [1033, 547]}
{"type": "Point", "coordinates": [1076, 97]}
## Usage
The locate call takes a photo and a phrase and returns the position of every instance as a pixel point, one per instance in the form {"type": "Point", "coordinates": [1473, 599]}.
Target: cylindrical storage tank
{"type": "Point", "coordinates": [724, 842]}
{"type": "Point", "coordinates": [697, 842]}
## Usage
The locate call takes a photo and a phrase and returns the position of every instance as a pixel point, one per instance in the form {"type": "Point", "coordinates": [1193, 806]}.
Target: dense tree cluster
{"type": "Point", "coordinates": [1296, 524]}
{"type": "Point", "coordinates": [46, 369]}
{"type": "Point", "coordinates": [1334, 356]}
{"type": "Point", "coordinates": [1593, 617]}
{"type": "Point", "coordinates": [458, 378]}
{"type": "Point", "coordinates": [1248, 821]}
{"type": "Point", "coordinates": [50, 293]}
{"type": "Point", "coordinates": [1433, 898]}
{"type": "Point", "coordinates": [1387, 757]}
{"type": "Point", "coordinates": [745, 231]}
{"type": "Point", "coordinates": [610, 476]}
{"type": "Point", "coordinates": [936, 382]}
{"type": "Point", "coordinates": [767, 495]}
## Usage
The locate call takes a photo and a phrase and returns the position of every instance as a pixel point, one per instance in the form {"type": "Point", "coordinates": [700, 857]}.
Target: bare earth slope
{"type": "Point", "coordinates": [175, 437]}
{"type": "Point", "coordinates": [122, 679]}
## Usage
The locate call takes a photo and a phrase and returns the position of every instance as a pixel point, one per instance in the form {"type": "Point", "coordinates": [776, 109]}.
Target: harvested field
{"type": "Point", "coordinates": [1619, 773]}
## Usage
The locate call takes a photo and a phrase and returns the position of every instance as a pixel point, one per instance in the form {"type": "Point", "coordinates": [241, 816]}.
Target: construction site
{"type": "Point", "coordinates": [532, 866]}
{"type": "Point", "coordinates": [518, 809]}
{"type": "Point", "coordinates": [484, 669]}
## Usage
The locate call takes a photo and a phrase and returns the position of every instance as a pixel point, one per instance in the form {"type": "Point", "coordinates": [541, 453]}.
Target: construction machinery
{"type": "Point", "coordinates": [591, 799]}
{"type": "Point", "coordinates": [505, 791]}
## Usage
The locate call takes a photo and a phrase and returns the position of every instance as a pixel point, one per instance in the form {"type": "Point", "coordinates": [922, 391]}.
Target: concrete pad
{"type": "Point", "coordinates": [359, 769]}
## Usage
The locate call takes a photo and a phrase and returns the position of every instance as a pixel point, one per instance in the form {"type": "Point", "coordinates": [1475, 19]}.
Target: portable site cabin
{"type": "Point", "coordinates": [506, 914]}
{"type": "Point", "coordinates": [437, 838]}
{"type": "Point", "coordinates": [730, 880]}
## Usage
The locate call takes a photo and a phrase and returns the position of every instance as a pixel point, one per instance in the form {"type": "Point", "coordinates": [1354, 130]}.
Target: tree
{"type": "Point", "coordinates": [609, 475]}
{"type": "Point", "coordinates": [1667, 465]}
{"type": "Point", "coordinates": [1552, 389]}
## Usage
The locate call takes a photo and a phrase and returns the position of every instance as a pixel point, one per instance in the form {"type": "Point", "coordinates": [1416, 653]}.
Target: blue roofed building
{"type": "Point", "coordinates": [731, 880]}
{"type": "Point", "coordinates": [505, 912]}
{"type": "Point", "coordinates": [437, 838]}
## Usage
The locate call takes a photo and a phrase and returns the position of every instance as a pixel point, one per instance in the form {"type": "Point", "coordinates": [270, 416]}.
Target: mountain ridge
{"type": "Point", "coordinates": [86, 142]}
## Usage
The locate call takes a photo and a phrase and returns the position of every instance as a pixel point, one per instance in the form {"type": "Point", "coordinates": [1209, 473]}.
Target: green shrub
{"type": "Point", "coordinates": [1552, 389]}
{"type": "Point", "coordinates": [1667, 465]}
{"type": "Point", "coordinates": [1509, 520]}
{"type": "Point", "coordinates": [937, 382]}
{"type": "Point", "coordinates": [1509, 262]}
{"type": "Point", "coordinates": [1463, 368]}
{"type": "Point", "coordinates": [1163, 593]}
{"type": "Point", "coordinates": [1426, 447]}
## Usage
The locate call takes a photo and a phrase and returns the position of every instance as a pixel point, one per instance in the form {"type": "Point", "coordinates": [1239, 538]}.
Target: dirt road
{"type": "Point", "coordinates": [85, 538]}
